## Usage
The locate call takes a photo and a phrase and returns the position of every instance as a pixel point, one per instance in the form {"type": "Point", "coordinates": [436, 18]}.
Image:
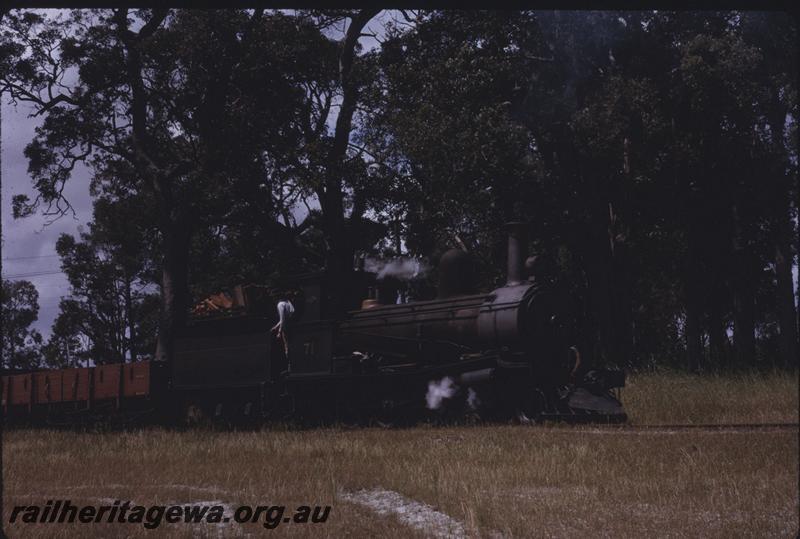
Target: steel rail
{"type": "Point", "coordinates": [718, 427]}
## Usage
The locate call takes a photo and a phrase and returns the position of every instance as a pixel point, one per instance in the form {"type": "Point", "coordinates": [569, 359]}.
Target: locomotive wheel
{"type": "Point", "coordinates": [193, 415]}
{"type": "Point", "coordinates": [533, 404]}
{"type": "Point", "coordinates": [383, 424]}
{"type": "Point", "coordinates": [386, 416]}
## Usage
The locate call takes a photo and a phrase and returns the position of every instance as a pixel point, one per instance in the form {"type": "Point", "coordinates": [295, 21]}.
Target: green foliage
{"type": "Point", "coordinates": [637, 143]}
{"type": "Point", "coordinates": [109, 315]}
{"type": "Point", "coordinates": [443, 125]}
{"type": "Point", "coordinates": [20, 309]}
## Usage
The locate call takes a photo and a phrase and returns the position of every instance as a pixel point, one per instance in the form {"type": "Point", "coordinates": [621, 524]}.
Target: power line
{"type": "Point", "coordinates": [29, 257]}
{"type": "Point", "coordinates": [31, 274]}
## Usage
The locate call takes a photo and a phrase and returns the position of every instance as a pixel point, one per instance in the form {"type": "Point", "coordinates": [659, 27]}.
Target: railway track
{"type": "Point", "coordinates": [728, 427]}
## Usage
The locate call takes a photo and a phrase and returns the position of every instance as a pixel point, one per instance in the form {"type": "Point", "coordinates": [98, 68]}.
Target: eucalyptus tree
{"type": "Point", "coordinates": [328, 166]}
{"type": "Point", "coordinates": [648, 147]}
{"type": "Point", "coordinates": [443, 130]}
{"type": "Point", "coordinates": [486, 115]}
{"type": "Point", "coordinates": [186, 109]}
{"type": "Point", "coordinates": [112, 276]}
{"type": "Point", "coordinates": [775, 35]}
{"type": "Point", "coordinates": [20, 309]}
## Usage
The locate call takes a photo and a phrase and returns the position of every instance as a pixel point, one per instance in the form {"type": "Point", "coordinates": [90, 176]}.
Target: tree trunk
{"type": "Point", "coordinates": [716, 327]}
{"type": "Point", "coordinates": [398, 242]}
{"type": "Point", "coordinates": [174, 288]}
{"type": "Point", "coordinates": [621, 263]}
{"type": "Point", "coordinates": [600, 284]}
{"type": "Point", "coordinates": [787, 317]}
{"type": "Point", "coordinates": [174, 232]}
{"type": "Point", "coordinates": [783, 232]}
{"type": "Point", "coordinates": [129, 319]}
{"type": "Point", "coordinates": [338, 263]}
{"type": "Point", "coordinates": [624, 315]}
{"type": "Point", "coordinates": [744, 339]}
{"type": "Point", "coordinates": [12, 357]}
{"type": "Point", "coordinates": [692, 300]}
{"type": "Point", "coordinates": [692, 330]}
{"type": "Point", "coordinates": [339, 258]}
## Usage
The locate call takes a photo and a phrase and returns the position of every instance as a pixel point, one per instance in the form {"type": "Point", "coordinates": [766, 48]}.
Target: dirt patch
{"type": "Point", "coordinates": [420, 516]}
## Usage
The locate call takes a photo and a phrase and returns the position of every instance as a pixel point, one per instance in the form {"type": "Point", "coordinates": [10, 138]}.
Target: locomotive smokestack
{"type": "Point", "coordinates": [517, 252]}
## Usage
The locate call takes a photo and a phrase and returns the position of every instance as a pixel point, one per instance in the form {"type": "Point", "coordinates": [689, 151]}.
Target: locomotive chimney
{"type": "Point", "coordinates": [517, 252]}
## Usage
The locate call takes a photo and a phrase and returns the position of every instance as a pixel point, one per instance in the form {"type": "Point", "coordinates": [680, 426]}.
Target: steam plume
{"type": "Point", "coordinates": [400, 268]}
{"type": "Point", "coordinates": [472, 399]}
{"type": "Point", "coordinates": [439, 391]}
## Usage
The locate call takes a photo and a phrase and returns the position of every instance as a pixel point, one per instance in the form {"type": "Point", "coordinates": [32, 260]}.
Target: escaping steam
{"type": "Point", "coordinates": [399, 268]}
{"type": "Point", "coordinates": [472, 399]}
{"type": "Point", "coordinates": [446, 388]}
{"type": "Point", "coordinates": [439, 391]}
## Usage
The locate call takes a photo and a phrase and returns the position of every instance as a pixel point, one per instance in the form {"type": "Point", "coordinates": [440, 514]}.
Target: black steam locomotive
{"type": "Point", "coordinates": [508, 353]}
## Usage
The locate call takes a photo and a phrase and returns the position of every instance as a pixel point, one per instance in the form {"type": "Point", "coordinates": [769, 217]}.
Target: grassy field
{"type": "Point", "coordinates": [678, 398]}
{"type": "Point", "coordinates": [485, 481]}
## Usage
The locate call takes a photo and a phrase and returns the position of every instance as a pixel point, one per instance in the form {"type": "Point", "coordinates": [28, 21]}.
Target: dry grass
{"type": "Point", "coordinates": [497, 480]}
{"type": "Point", "coordinates": [678, 398]}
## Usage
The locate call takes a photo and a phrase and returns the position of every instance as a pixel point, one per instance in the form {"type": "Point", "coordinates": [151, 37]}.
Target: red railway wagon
{"type": "Point", "coordinates": [5, 394]}
{"type": "Point", "coordinates": [144, 389]}
{"type": "Point", "coordinates": [76, 395]}
{"type": "Point", "coordinates": [21, 390]}
{"type": "Point", "coordinates": [106, 382]}
{"type": "Point", "coordinates": [48, 387]}
{"type": "Point", "coordinates": [18, 395]}
{"type": "Point", "coordinates": [75, 385]}
{"type": "Point", "coordinates": [136, 379]}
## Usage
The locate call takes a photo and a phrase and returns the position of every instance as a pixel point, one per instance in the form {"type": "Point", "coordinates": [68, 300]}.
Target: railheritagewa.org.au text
{"type": "Point", "coordinates": [65, 512]}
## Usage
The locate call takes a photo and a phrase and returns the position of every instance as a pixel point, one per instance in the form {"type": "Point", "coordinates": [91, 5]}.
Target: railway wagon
{"type": "Point", "coordinates": [105, 393]}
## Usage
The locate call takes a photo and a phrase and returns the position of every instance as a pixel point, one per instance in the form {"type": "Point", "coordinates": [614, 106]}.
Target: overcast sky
{"type": "Point", "coordinates": [28, 245]}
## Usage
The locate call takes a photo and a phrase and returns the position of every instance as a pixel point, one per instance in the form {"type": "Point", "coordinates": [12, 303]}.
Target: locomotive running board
{"type": "Point", "coordinates": [427, 372]}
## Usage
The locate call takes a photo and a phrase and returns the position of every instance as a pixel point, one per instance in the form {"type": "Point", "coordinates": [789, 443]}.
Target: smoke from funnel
{"type": "Point", "coordinates": [439, 391]}
{"type": "Point", "coordinates": [399, 268]}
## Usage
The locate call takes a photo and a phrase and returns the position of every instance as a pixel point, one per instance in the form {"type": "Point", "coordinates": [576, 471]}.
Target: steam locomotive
{"type": "Point", "coordinates": [505, 354]}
